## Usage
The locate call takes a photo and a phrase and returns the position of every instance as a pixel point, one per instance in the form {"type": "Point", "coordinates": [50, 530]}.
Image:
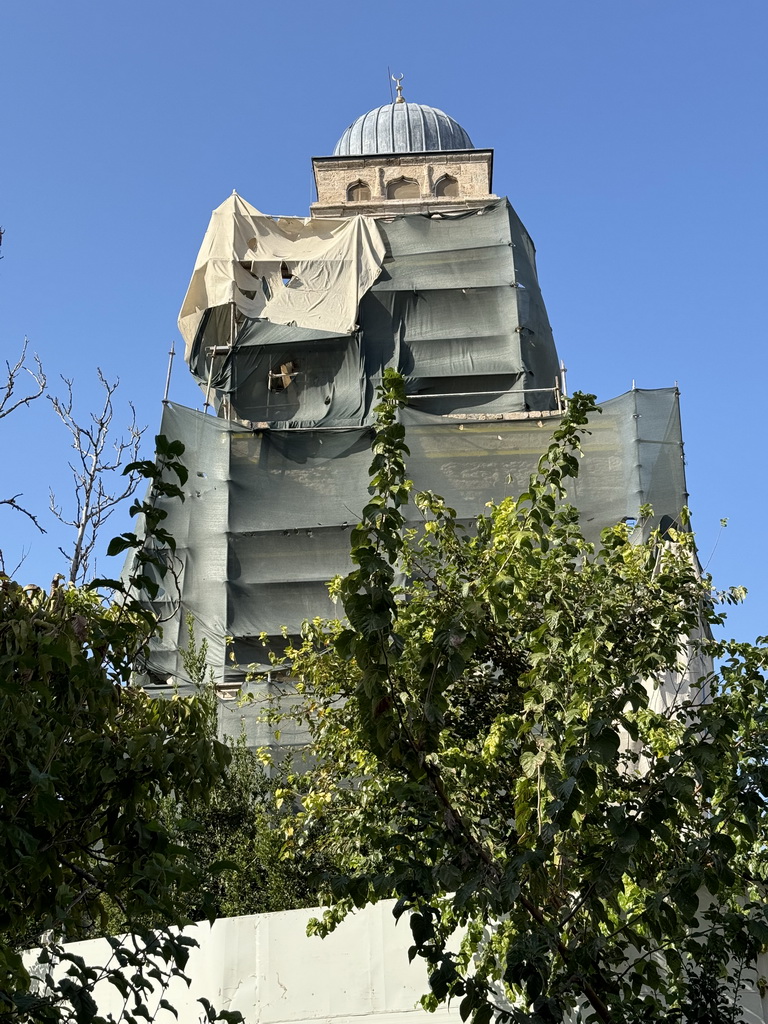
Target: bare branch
{"type": "Point", "coordinates": [13, 503]}
{"type": "Point", "coordinates": [11, 573]}
{"type": "Point", "coordinates": [9, 400]}
{"type": "Point", "coordinates": [98, 458]}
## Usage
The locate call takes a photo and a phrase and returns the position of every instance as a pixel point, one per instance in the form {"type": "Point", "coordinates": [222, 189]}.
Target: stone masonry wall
{"type": "Point", "coordinates": [470, 168]}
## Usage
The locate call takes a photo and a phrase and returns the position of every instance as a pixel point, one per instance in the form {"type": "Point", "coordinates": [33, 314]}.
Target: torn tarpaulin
{"type": "Point", "coordinates": [311, 273]}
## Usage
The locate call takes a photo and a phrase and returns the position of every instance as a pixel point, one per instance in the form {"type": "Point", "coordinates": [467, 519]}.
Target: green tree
{"type": "Point", "coordinates": [561, 841]}
{"type": "Point", "coordinates": [237, 842]}
{"type": "Point", "coordinates": [235, 834]}
{"type": "Point", "coordinates": [88, 762]}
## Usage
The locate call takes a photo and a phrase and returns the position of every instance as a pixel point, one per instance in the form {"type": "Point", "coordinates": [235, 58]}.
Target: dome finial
{"type": "Point", "coordinates": [399, 80]}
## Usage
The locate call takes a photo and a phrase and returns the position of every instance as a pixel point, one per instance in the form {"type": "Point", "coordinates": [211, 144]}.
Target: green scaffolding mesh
{"type": "Point", "coordinates": [279, 478]}
{"type": "Point", "coordinates": [457, 310]}
{"type": "Point", "coordinates": [265, 522]}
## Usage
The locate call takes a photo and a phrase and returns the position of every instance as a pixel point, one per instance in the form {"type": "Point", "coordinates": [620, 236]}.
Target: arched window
{"type": "Point", "coordinates": [403, 188]}
{"type": "Point", "coordinates": [358, 192]}
{"type": "Point", "coordinates": [447, 186]}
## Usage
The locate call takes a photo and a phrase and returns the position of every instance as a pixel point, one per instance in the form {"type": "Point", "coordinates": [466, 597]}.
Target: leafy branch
{"type": "Point", "coordinates": [88, 763]}
{"type": "Point", "coordinates": [495, 693]}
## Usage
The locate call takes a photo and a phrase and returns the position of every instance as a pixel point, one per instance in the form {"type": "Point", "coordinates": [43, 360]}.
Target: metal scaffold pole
{"type": "Point", "coordinates": [171, 354]}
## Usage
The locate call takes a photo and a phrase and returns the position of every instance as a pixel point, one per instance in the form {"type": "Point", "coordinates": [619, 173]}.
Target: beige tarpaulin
{"type": "Point", "coordinates": [311, 273]}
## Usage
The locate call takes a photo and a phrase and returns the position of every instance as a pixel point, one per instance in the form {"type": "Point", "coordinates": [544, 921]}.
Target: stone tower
{"type": "Point", "coordinates": [408, 261]}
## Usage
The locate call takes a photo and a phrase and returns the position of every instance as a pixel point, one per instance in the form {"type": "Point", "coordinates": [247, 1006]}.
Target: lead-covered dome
{"type": "Point", "coordinates": [402, 127]}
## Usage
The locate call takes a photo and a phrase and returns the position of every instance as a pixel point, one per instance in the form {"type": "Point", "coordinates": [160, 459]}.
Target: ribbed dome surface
{"type": "Point", "coordinates": [402, 128]}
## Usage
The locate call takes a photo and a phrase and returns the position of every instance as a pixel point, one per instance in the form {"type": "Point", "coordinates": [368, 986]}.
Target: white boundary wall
{"type": "Point", "coordinates": [267, 967]}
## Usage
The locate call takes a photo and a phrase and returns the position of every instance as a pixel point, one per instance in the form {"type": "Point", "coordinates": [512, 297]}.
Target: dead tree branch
{"type": "Point", "coordinates": [13, 503]}
{"type": "Point", "coordinates": [12, 397]}
{"type": "Point", "coordinates": [94, 470]}
{"type": "Point", "coordinates": [9, 398]}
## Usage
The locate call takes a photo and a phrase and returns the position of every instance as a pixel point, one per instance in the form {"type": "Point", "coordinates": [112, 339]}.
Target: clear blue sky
{"type": "Point", "coordinates": [630, 136]}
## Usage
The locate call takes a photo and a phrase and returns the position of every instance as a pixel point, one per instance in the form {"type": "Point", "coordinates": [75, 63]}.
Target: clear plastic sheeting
{"type": "Point", "coordinates": [456, 309]}
{"type": "Point", "coordinates": [311, 273]}
{"type": "Point", "coordinates": [265, 522]}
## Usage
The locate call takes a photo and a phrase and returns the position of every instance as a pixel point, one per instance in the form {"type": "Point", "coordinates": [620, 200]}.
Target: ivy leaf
{"type": "Point", "coordinates": [530, 762]}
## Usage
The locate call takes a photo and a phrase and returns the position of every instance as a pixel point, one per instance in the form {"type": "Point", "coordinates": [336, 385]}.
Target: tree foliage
{"type": "Point", "coordinates": [235, 834]}
{"type": "Point", "coordinates": [562, 839]}
{"type": "Point", "coordinates": [237, 844]}
{"type": "Point", "coordinates": [87, 765]}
